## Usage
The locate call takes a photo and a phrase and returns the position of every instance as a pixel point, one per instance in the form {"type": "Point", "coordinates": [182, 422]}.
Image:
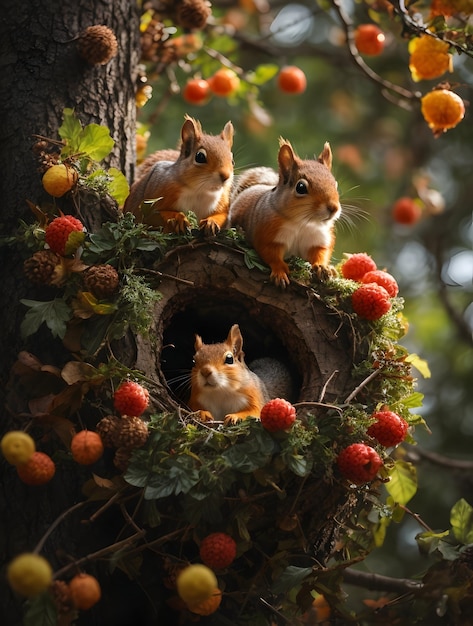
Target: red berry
{"type": "Point", "coordinates": [86, 447]}
{"type": "Point", "coordinates": [359, 463]}
{"type": "Point", "coordinates": [196, 91]}
{"type": "Point", "coordinates": [383, 279]}
{"type": "Point", "coordinates": [131, 399]}
{"type": "Point", "coordinates": [291, 79]}
{"type": "Point", "coordinates": [406, 211]}
{"type": "Point", "coordinates": [389, 428]}
{"type": "Point", "coordinates": [369, 39]}
{"type": "Point", "coordinates": [224, 82]}
{"type": "Point", "coordinates": [370, 301]}
{"type": "Point", "coordinates": [38, 470]}
{"type": "Point", "coordinates": [356, 266]}
{"type": "Point", "coordinates": [64, 234]}
{"type": "Point", "coordinates": [217, 550]}
{"type": "Point", "coordinates": [277, 414]}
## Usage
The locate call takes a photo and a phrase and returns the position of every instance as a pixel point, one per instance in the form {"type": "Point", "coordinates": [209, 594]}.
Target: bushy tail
{"type": "Point", "coordinates": [276, 377]}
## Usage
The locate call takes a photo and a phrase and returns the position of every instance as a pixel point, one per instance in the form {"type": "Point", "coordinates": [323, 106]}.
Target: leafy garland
{"type": "Point", "coordinates": [191, 478]}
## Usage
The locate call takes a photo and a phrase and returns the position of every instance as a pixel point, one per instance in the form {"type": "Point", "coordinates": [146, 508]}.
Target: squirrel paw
{"type": "Point", "coordinates": [323, 272]}
{"type": "Point", "coordinates": [209, 226]}
{"type": "Point", "coordinates": [232, 418]}
{"type": "Point", "coordinates": [179, 224]}
{"type": "Point", "coordinates": [205, 416]}
{"type": "Point", "coordinates": [280, 279]}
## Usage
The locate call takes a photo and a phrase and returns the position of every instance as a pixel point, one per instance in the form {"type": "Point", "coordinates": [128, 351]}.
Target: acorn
{"type": "Point", "coordinates": [101, 280]}
{"type": "Point", "coordinates": [192, 14]}
{"type": "Point", "coordinates": [132, 432]}
{"type": "Point", "coordinates": [45, 267]}
{"type": "Point", "coordinates": [97, 45]}
{"type": "Point", "coordinates": [107, 427]}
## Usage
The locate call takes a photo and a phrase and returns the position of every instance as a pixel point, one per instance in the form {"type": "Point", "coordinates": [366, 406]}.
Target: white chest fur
{"type": "Point", "coordinates": [299, 237]}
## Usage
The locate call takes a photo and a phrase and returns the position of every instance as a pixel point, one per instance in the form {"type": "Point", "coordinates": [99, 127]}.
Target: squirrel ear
{"type": "Point", "coordinates": [198, 343]}
{"type": "Point", "coordinates": [227, 133]}
{"type": "Point", "coordinates": [325, 156]}
{"type": "Point", "coordinates": [235, 339]}
{"type": "Point", "coordinates": [189, 131]}
{"type": "Point", "coordinates": [285, 160]}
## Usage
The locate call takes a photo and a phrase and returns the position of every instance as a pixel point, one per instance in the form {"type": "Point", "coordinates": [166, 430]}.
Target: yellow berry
{"type": "Point", "coordinates": [430, 57]}
{"type": "Point", "coordinates": [209, 606]}
{"type": "Point", "coordinates": [59, 179]}
{"type": "Point", "coordinates": [29, 574]}
{"type": "Point", "coordinates": [17, 447]}
{"type": "Point", "coordinates": [196, 583]}
{"type": "Point", "coordinates": [442, 109]}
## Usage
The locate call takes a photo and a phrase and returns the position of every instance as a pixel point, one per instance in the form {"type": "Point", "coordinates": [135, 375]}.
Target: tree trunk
{"type": "Point", "coordinates": [42, 74]}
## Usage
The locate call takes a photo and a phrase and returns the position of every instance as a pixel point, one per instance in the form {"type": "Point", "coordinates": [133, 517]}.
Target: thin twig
{"type": "Point", "coordinates": [326, 384]}
{"type": "Point", "coordinates": [416, 453]}
{"type": "Point", "coordinates": [318, 405]}
{"type": "Point", "coordinates": [55, 524]}
{"type": "Point", "coordinates": [417, 518]}
{"type": "Point", "coordinates": [363, 384]}
{"type": "Point", "coordinates": [378, 582]}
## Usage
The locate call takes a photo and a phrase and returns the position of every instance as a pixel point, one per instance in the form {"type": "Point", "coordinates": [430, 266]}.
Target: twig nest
{"type": "Point", "coordinates": [97, 45]}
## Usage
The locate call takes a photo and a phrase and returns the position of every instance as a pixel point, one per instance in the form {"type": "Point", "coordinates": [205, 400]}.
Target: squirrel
{"type": "Point", "coordinates": [197, 177]}
{"type": "Point", "coordinates": [291, 212]}
{"type": "Point", "coordinates": [223, 387]}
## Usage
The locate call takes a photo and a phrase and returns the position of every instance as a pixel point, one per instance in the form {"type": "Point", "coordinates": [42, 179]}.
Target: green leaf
{"type": "Point", "coordinates": [177, 476]}
{"type": "Point", "coordinates": [56, 314]}
{"type": "Point", "coordinates": [291, 577]}
{"type": "Point", "coordinates": [461, 519]}
{"type": "Point", "coordinates": [252, 454]}
{"type": "Point", "coordinates": [95, 141]}
{"type": "Point", "coordinates": [118, 186]}
{"type": "Point", "coordinates": [420, 364]}
{"type": "Point", "coordinates": [41, 611]}
{"type": "Point", "coordinates": [298, 464]}
{"type": "Point", "coordinates": [70, 130]}
{"type": "Point", "coordinates": [413, 401]}
{"type": "Point", "coordinates": [403, 484]}
{"type": "Point", "coordinates": [263, 73]}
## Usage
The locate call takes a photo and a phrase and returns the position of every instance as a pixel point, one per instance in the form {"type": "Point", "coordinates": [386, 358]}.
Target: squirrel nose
{"type": "Point", "coordinates": [224, 176]}
{"type": "Point", "coordinates": [206, 371]}
{"type": "Point", "coordinates": [333, 208]}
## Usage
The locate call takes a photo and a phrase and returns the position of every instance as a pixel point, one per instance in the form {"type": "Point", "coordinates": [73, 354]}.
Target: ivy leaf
{"type": "Point", "coordinates": [41, 611]}
{"type": "Point", "coordinates": [461, 519]}
{"type": "Point", "coordinates": [118, 186]}
{"type": "Point", "coordinates": [403, 484]}
{"type": "Point", "coordinates": [56, 314]}
{"type": "Point", "coordinates": [291, 577]}
{"type": "Point", "coordinates": [178, 477]}
{"type": "Point", "coordinates": [95, 141]}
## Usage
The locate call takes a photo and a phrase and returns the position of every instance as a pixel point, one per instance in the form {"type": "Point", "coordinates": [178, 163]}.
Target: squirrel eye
{"type": "Point", "coordinates": [228, 359]}
{"type": "Point", "coordinates": [201, 156]}
{"type": "Point", "coordinates": [302, 187]}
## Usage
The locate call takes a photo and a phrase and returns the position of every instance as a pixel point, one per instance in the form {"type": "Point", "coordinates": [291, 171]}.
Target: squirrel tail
{"type": "Point", "coordinates": [275, 376]}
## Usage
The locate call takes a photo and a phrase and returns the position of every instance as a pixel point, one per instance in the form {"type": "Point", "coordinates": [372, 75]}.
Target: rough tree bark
{"type": "Point", "coordinates": [41, 74]}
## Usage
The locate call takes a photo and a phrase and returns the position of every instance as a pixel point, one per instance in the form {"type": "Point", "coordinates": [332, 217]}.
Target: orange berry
{"type": "Point", "coordinates": [85, 591]}
{"type": "Point", "coordinates": [38, 470]}
{"type": "Point", "coordinates": [196, 91]}
{"type": "Point", "coordinates": [369, 39]}
{"type": "Point", "coordinates": [86, 447]}
{"type": "Point", "coordinates": [442, 109]}
{"type": "Point", "coordinates": [224, 82]}
{"type": "Point", "coordinates": [291, 79]}
{"type": "Point", "coordinates": [209, 606]}
{"type": "Point", "coordinates": [406, 211]}
{"type": "Point", "coordinates": [429, 57]}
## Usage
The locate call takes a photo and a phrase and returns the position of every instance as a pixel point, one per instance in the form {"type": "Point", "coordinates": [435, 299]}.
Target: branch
{"type": "Point", "coordinates": [378, 582]}
{"type": "Point", "coordinates": [415, 454]}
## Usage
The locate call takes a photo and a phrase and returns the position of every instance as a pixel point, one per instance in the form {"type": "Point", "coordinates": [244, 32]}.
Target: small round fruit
{"type": "Point", "coordinates": [406, 211]}
{"type": "Point", "coordinates": [131, 398]}
{"type": "Point", "coordinates": [356, 266]}
{"type": "Point", "coordinates": [359, 463]}
{"type": "Point", "coordinates": [86, 447]}
{"type": "Point", "coordinates": [29, 574]}
{"type": "Point", "coordinates": [291, 79]}
{"type": "Point", "coordinates": [217, 550]}
{"type": "Point", "coordinates": [389, 429]}
{"type": "Point", "coordinates": [196, 583]}
{"type": "Point", "coordinates": [196, 91]}
{"type": "Point", "coordinates": [59, 179]}
{"type": "Point", "coordinates": [209, 606]}
{"type": "Point", "coordinates": [85, 591]}
{"type": "Point", "coordinates": [277, 414]}
{"type": "Point", "coordinates": [384, 279]}
{"type": "Point", "coordinates": [369, 39]}
{"type": "Point", "coordinates": [17, 447]}
{"type": "Point", "coordinates": [371, 301]}
{"type": "Point", "coordinates": [442, 109]}
{"type": "Point", "coordinates": [224, 82]}
{"type": "Point", "coordinates": [38, 470]}
{"type": "Point", "coordinates": [429, 57]}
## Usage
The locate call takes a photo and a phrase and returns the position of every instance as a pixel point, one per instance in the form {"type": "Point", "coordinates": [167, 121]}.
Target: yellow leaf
{"type": "Point", "coordinates": [420, 364]}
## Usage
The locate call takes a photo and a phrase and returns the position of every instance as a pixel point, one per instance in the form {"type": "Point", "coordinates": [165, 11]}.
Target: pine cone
{"type": "Point", "coordinates": [107, 428]}
{"type": "Point", "coordinates": [97, 45]}
{"type": "Point", "coordinates": [151, 40]}
{"type": "Point", "coordinates": [45, 267]}
{"type": "Point", "coordinates": [192, 14]}
{"type": "Point", "coordinates": [121, 458]}
{"type": "Point", "coordinates": [131, 433]}
{"type": "Point", "coordinates": [101, 280]}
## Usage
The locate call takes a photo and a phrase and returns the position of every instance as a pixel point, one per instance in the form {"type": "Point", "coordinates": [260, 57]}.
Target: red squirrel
{"type": "Point", "coordinates": [197, 177]}
{"type": "Point", "coordinates": [223, 387]}
{"type": "Point", "coordinates": [291, 212]}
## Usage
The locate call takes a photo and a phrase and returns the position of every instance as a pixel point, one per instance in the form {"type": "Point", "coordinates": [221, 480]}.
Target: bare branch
{"type": "Point", "coordinates": [377, 582]}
